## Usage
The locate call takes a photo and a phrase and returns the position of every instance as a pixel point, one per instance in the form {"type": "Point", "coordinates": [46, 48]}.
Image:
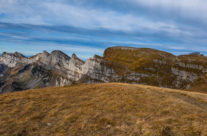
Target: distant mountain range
{"type": "Point", "coordinates": [118, 64]}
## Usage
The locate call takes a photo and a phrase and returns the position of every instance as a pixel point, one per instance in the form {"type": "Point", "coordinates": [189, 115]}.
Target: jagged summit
{"type": "Point", "coordinates": [59, 53]}
{"type": "Point", "coordinates": [74, 56]}
{"type": "Point", "coordinates": [15, 54]}
{"type": "Point", "coordinates": [12, 59]}
{"type": "Point", "coordinates": [46, 53]}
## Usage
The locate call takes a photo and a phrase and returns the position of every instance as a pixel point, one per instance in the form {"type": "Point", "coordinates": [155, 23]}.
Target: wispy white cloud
{"type": "Point", "coordinates": [176, 22]}
{"type": "Point", "coordinates": [56, 13]}
{"type": "Point", "coordinates": [183, 5]}
{"type": "Point", "coordinates": [192, 9]}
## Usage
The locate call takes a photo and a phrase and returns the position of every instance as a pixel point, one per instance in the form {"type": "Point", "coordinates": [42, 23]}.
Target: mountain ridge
{"type": "Point", "coordinates": [118, 64]}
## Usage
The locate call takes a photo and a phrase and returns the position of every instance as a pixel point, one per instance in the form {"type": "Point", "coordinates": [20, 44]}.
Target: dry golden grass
{"type": "Point", "coordinates": [103, 110]}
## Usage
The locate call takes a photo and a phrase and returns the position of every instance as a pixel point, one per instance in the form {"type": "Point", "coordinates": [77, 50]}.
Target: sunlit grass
{"type": "Point", "coordinates": [103, 109]}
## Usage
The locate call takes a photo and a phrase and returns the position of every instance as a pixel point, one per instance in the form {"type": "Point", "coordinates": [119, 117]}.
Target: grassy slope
{"type": "Point", "coordinates": [141, 59]}
{"type": "Point", "coordinates": [103, 109]}
{"type": "Point", "coordinates": [135, 58]}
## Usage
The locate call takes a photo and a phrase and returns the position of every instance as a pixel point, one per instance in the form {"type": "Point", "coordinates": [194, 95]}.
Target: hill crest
{"type": "Point", "coordinates": [103, 109]}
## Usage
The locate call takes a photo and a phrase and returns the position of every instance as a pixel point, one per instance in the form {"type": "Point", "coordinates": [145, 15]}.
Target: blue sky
{"type": "Point", "coordinates": [88, 27]}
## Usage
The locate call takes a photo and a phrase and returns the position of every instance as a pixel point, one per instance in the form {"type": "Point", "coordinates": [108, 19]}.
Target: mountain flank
{"type": "Point", "coordinates": [118, 64]}
{"type": "Point", "coordinates": [103, 109]}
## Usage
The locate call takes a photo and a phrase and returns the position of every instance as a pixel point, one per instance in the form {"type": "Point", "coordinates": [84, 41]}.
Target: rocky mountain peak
{"type": "Point", "coordinates": [75, 57]}
{"type": "Point", "coordinates": [97, 57]}
{"type": "Point", "coordinates": [40, 55]}
{"type": "Point", "coordinates": [12, 59]}
{"type": "Point", "coordinates": [15, 54]}
{"type": "Point", "coordinates": [45, 53]}
{"type": "Point", "coordinates": [59, 54]}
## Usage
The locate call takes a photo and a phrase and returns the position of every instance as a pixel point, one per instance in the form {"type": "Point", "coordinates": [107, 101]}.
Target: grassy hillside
{"type": "Point", "coordinates": [144, 61]}
{"type": "Point", "coordinates": [103, 109]}
{"type": "Point", "coordinates": [186, 72]}
{"type": "Point", "coordinates": [135, 58]}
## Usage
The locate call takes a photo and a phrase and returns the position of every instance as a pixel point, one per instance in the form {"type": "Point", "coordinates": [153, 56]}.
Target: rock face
{"type": "Point", "coordinates": [11, 60]}
{"type": "Point", "coordinates": [119, 64]}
